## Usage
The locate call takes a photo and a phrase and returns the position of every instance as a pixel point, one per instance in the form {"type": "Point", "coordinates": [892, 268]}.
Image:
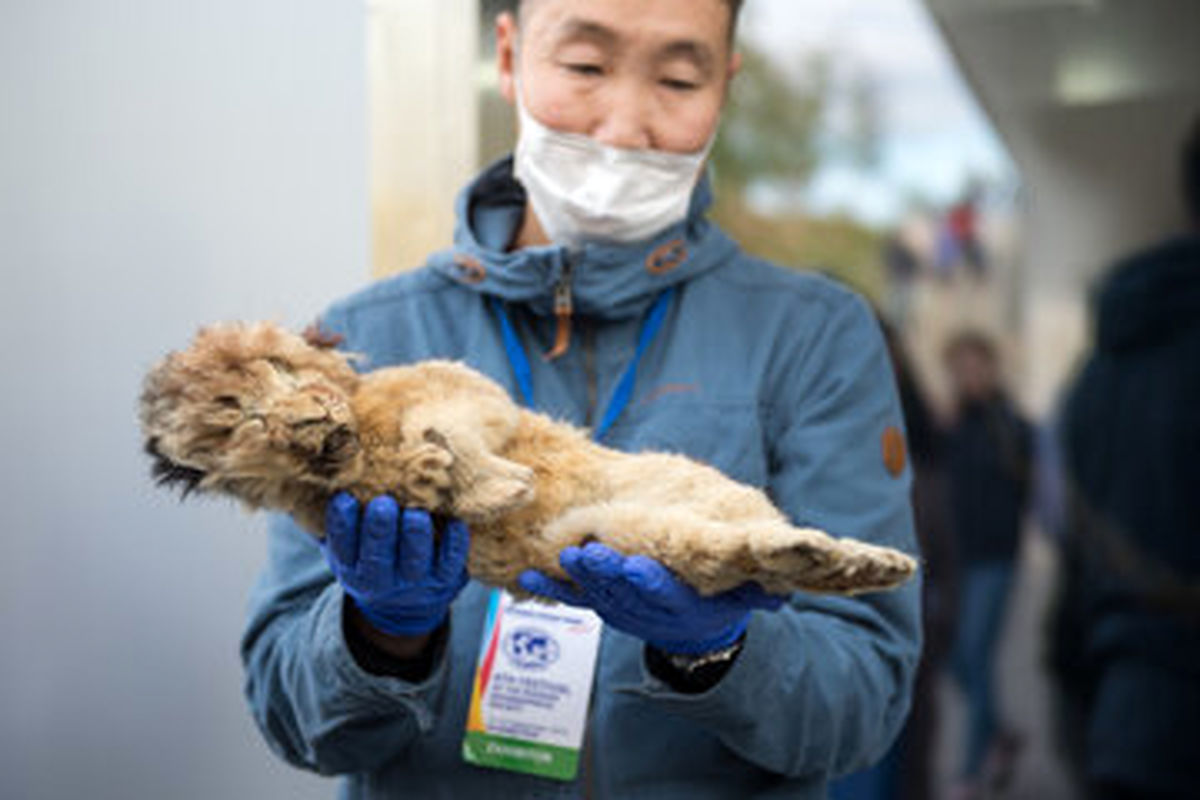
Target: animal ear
{"type": "Point", "coordinates": [319, 337]}
{"type": "Point", "coordinates": [171, 474]}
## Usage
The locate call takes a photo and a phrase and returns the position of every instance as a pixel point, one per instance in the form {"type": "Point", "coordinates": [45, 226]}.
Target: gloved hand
{"type": "Point", "coordinates": [389, 566]}
{"type": "Point", "coordinates": [640, 596]}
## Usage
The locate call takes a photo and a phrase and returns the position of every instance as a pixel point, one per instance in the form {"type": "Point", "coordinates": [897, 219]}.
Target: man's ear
{"type": "Point", "coordinates": [506, 55]}
{"type": "Point", "coordinates": [735, 66]}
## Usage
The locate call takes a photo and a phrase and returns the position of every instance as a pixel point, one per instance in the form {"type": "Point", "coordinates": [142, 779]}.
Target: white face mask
{"type": "Point", "coordinates": [585, 191]}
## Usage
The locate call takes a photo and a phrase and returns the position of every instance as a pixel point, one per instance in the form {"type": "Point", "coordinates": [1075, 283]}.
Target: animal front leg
{"type": "Point", "coordinates": [482, 485]}
{"type": "Point", "coordinates": [704, 553]}
{"type": "Point", "coordinates": [427, 477]}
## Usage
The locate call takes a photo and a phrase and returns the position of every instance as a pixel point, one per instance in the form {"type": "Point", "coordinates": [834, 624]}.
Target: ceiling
{"type": "Point", "coordinates": [1074, 52]}
{"type": "Point", "coordinates": [1093, 98]}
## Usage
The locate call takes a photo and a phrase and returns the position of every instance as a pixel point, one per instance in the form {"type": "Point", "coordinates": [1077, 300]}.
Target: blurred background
{"type": "Point", "coordinates": [966, 164]}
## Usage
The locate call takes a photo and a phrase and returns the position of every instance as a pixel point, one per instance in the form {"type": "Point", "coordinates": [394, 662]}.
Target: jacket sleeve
{"type": "Point", "coordinates": [314, 704]}
{"type": "Point", "coordinates": [822, 687]}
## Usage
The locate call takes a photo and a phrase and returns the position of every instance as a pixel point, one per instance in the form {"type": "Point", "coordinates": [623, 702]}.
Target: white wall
{"type": "Point", "coordinates": [162, 163]}
{"type": "Point", "coordinates": [1103, 182]}
{"type": "Point", "coordinates": [417, 170]}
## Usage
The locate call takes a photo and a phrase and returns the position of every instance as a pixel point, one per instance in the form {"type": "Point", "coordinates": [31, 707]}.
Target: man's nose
{"type": "Point", "coordinates": [626, 121]}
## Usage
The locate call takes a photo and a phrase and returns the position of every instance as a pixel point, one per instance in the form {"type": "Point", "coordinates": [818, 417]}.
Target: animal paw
{"type": "Point", "coordinates": [427, 476]}
{"type": "Point", "coordinates": [812, 561]}
{"type": "Point", "coordinates": [866, 568]}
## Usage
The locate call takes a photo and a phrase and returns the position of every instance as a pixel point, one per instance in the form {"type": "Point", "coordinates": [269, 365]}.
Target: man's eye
{"type": "Point", "coordinates": [677, 85]}
{"type": "Point", "coordinates": [590, 70]}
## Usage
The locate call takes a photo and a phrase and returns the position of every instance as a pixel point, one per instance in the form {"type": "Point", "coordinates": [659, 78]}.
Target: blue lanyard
{"type": "Point", "coordinates": [622, 395]}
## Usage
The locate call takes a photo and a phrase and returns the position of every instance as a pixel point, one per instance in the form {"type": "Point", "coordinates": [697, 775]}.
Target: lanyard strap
{"type": "Point", "coordinates": [516, 353]}
{"type": "Point", "coordinates": [622, 395]}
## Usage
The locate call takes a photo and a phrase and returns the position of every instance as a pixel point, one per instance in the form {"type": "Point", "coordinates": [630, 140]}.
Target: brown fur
{"type": "Point", "coordinates": [253, 411]}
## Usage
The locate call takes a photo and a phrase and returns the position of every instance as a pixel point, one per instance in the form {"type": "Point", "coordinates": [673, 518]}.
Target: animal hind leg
{"type": "Point", "coordinates": [787, 559]}
{"type": "Point", "coordinates": [713, 556]}
{"type": "Point", "coordinates": [707, 554]}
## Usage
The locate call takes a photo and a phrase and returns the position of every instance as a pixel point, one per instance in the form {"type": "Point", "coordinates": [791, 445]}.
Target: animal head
{"type": "Point", "coordinates": [254, 411]}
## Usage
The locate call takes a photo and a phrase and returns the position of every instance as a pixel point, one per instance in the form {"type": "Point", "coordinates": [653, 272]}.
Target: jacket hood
{"type": "Point", "coordinates": [1150, 297]}
{"type": "Point", "coordinates": [606, 280]}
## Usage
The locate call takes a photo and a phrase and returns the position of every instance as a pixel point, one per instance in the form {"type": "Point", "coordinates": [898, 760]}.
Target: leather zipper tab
{"type": "Point", "coordinates": [562, 312]}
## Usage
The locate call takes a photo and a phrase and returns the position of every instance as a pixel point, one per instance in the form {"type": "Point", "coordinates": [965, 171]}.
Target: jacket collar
{"type": "Point", "coordinates": [609, 281]}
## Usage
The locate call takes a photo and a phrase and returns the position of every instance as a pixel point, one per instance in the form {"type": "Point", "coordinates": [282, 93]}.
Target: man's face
{"type": "Point", "coordinates": [632, 74]}
{"type": "Point", "coordinates": [973, 374]}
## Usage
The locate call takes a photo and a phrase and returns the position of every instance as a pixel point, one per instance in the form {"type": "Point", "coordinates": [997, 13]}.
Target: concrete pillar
{"type": "Point", "coordinates": [424, 123]}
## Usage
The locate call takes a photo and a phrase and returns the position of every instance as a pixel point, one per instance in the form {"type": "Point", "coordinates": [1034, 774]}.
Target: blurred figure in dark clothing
{"type": "Point", "coordinates": [939, 570]}
{"type": "Point", "coordinates": [1125, 645]}
{"type": "Point", "coordinates": [903, 269]}
{"type": "Point", "coordinates": [906, 773]}
{"type": "Point", "coordinates": [988, 464]}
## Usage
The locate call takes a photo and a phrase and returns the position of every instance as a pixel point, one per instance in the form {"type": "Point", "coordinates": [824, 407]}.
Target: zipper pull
{"type": "Point", "coordinates": [562, 311]}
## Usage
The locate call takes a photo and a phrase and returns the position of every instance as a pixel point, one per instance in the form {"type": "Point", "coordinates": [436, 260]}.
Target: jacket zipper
{"type": "Point", "coordinates": [562, 312]}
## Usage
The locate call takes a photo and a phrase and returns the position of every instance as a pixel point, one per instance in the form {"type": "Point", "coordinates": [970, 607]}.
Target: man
{"type": "Point", "coordinates": [989, 451]}
{"type": "Point", "coordinates": [585, 277]}
{"type": "Point", "coordinates": [1126, 630]}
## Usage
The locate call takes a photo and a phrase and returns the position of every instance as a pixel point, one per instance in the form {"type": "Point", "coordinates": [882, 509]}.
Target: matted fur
{"type": "Point", "coordinates": [253, 411]}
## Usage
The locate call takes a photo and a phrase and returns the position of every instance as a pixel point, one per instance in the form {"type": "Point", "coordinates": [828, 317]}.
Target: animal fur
{"type": "Point", "coordinates": [253, 411]}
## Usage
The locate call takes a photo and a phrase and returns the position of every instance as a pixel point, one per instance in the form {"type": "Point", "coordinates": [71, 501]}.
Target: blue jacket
{"type": "Point", "coordinates": [779, 379]}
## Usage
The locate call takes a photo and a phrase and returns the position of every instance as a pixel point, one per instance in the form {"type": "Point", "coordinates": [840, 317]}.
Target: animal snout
{"type": "Point", "coordinates": [341, 441]}
{"type": "Point", "coordinates": [339, 446]}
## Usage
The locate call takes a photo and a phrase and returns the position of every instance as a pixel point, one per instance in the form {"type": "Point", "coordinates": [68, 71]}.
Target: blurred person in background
{"type": "Point", "coordinates": [962, 222]}
{"type": "Point", "coordinates": [907, 771]}
{"type": "Point", "coordinates": [947, 254]}
{"type": "Point", "coordinates": [959, 244]}
{"type": "Point", "coordinates": [360, 654]}
{"type": "Point", "coordinates": [940, 570]}
{"type": "Point", "coordinates": [988, 461]}
{"type": "Point", "coordinates": [903, 268]}
{"type": "Point", "coordinates": [1125, 633]}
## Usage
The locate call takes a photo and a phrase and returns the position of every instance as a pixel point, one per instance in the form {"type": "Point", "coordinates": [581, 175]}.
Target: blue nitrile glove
{"type": "Point", "coordinates": [640, 596]}
{"type": "Point", "coordinates": [389, 566]}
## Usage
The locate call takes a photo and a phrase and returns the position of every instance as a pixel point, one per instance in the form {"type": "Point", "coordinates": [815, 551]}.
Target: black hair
{"type": "Point", "coordinates": [735, 10]}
